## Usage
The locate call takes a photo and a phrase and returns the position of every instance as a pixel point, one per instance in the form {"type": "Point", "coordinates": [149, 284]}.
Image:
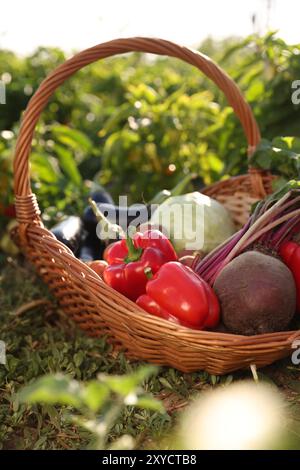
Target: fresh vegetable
{"type": "Point", "coordinates": [69, 232]}
{"type": "Point", "coordinates": [129, 258]}
{"type": "Point", "coordinates": [116, 252]}
{"type": "Point", "coordinates": [99, 194]}
{"type": "Point", "coordinates": [149, 304]}
{"type": "Point", "coordinates": [194, 222]}
{"type": "Point", "coordinates": [91, 248]}
{"type": "Point", "coordinates": [273, 221]}
{"type": "Point", "coordinates": [135, 214]}
{"type": "Point", "coordinates": [257, 294]}
{"type": "Point", "coordinates": [98, 266]}
{"type": "Point", "coordinates": [290, 253]}
{"type": "Point", "coordinates": [177, 294]}
{"type": "Point", "coordinates": [105, 228]}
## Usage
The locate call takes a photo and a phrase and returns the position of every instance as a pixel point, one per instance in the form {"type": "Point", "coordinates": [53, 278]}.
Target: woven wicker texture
{"type": "Point", "coordinates": [97, 308]}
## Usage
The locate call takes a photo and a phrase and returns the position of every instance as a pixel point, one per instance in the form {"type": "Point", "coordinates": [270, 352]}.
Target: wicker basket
{"type": "Point", "coordinates": [98, 309]}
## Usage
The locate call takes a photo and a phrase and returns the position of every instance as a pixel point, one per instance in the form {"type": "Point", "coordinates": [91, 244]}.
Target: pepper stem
{"type": "Point", "coordinates": [134, 253]}
{"type": "Point", "coordinates": [148, 273]}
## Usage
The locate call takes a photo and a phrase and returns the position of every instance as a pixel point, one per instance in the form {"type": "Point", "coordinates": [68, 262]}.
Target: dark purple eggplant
{"type": "Point", "coordinates": [91, 248]}
{"type": "Point", "coordinates": [69, 231]}
{"type": "Point", "coordinates": [135, 214]}
{"type": "Point", "coordinates": [95, 241]}
{"type": "Point", "coordinates": [101, 195]}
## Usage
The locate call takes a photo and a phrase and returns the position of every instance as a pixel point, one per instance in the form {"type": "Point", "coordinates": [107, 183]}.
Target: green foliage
{"type": "Point", "coordinates": [281, 156]}
{"type": "Point", "coordinates": [41, 341]}
{"type": "Point", "coordinates": [99, 402]}
{"type": "Point", "coordinates": [136, 125]}
{"type": "Point", "coordinates": [265, 68]}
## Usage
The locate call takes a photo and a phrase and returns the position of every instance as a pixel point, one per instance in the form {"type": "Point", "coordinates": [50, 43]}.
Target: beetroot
{"type": "Point", "coordinates": [257, 294]}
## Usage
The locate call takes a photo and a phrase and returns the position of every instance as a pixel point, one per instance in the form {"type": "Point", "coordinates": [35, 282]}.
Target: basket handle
{"type": "Point", "coordinates": [107, 49]}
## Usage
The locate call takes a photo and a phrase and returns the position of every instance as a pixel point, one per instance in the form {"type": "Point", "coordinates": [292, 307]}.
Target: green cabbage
{"type": "Point", "coordinates": [194, 222]}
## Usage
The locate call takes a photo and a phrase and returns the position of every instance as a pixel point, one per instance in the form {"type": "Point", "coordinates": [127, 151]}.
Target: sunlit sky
{"type": "Point", "coordinates": [74, 25]}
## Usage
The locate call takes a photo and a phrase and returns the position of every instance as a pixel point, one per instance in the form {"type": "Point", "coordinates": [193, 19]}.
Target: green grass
{"type": "Point", "coordinates": [41, 340]}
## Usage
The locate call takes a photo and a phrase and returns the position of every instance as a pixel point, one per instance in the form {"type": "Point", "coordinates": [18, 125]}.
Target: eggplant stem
{"type": "Point", "coordinates": [105, 223]}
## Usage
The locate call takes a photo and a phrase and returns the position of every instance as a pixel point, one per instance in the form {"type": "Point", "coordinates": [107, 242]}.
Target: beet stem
{"type": "Point", "coordinates": [266, 216]}
{"type": "Point", "coordinates": [263, 219]}
{"type": "Point", "coordinates": [272, 225]}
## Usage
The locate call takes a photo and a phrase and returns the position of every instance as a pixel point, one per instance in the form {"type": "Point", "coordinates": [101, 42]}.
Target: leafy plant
{"type": "Point", "coordinates": [99, 402]}
{"type": "Point", "coordinates": [126, 116]}
{"type": "Point", "coordinates": [281, 156]}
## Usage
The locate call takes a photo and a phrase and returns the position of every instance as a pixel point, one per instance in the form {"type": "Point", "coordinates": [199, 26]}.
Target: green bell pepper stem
{"type": "Point", "coordinates": [134, 253]}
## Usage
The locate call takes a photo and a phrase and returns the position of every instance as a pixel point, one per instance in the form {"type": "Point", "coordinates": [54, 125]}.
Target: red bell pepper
{"type": "Point", "coordinates": [178, 294]}
{"type": "Point", "coordinates": [290, 254]}
{"type": "Point", "coordinates": [128, 259]}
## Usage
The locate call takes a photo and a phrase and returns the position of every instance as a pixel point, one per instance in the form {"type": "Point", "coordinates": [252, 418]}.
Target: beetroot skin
{"type": "Point", "coordinates": [257, 294]}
